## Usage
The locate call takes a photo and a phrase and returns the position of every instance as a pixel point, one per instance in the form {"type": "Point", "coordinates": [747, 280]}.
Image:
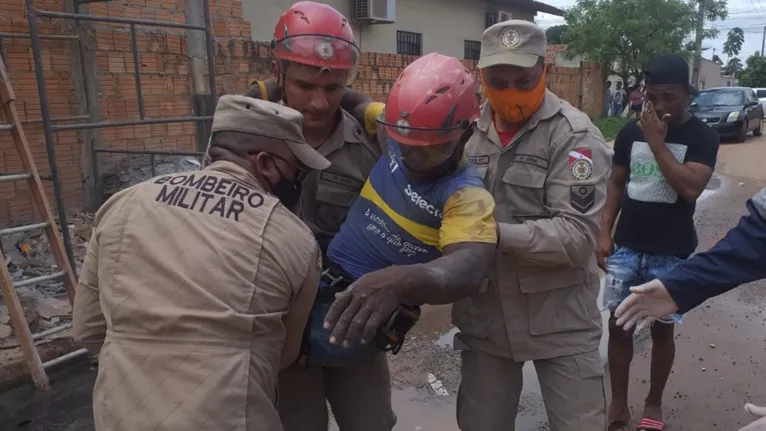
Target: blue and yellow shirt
{"type": "Point", "coordinates": [396, 221]}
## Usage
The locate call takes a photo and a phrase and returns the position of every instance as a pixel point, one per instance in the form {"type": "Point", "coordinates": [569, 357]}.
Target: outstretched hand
{"type": "Point", "coordinates": [645, 304]}
{"type": "Point", "coordinates": [759, 424]}
{"type": "Point", "coordinates": [368, 302]}
{"type": "Point", "coordinates": [654, 128]}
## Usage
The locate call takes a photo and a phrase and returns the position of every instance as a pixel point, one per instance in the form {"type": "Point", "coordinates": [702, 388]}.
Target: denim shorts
{"type": "Point", "coordinates": [626, 268]}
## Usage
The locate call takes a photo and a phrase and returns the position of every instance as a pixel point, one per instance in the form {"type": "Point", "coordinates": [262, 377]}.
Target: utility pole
{"type": "Point", "coordinates": [763, 41]}
{"type": "Point", "coordinates": [698, 43]}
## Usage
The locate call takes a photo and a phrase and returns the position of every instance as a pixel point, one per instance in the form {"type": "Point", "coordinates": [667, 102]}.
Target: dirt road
{"type": "Point", "coordinates": [720, 348]}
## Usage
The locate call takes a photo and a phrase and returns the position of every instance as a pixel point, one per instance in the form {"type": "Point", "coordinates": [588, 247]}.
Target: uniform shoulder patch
{"type": "Point", "coordinates": [581, 163]}
{"type": "Point", "coordinates": [582, 197]}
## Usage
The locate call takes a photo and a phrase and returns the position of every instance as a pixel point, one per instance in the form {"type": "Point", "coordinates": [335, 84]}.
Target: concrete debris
{"type": "Point", "coordinates": [131, 170]}
{"type": "Point", "coordinates": [54, 308]}
{"type": "Point", "coordinates": [28, 255]}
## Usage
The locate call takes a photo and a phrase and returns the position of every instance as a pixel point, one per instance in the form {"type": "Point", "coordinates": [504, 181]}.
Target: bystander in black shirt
{"type": "Point", "coordinates": [653, 217]}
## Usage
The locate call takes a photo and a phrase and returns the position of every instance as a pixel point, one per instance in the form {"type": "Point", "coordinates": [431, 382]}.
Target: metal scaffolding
{"type": "Point", "coordinates": [88, 122]}
{"type": "Point", "coordinates": [52, 125]}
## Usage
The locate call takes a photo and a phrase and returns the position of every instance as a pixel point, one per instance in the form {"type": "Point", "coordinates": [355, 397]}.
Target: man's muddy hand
{"type": "Point", "coordinates": [359, 310]}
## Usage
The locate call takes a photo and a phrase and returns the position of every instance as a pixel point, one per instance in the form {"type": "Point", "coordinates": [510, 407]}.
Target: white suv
{"type": "Point", "coordinates": [761, 93]}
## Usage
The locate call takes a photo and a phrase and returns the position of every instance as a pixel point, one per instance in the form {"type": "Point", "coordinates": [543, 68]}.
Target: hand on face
{"type": "Point", "coordinates": [654, 128]}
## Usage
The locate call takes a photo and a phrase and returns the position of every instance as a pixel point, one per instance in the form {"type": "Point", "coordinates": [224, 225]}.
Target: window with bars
{"type": "Point", "coordinates": [471, 49]}
{"type": "Point", "coordinates": [409, 43]}
{"type": "Point", "coordinates": [490, 19]}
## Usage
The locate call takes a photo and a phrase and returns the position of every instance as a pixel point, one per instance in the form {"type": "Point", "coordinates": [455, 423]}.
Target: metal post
{"type": "Point", "coordinates": [211, 73]}
{"type": "Point", "coordinates": [763, 41]}
{"type": "Point", "coordinates": [48, 130]}
{"type": "Point", "coordinates": [137, 69]}
{"type": "Point", "coordinates": [210, 51]}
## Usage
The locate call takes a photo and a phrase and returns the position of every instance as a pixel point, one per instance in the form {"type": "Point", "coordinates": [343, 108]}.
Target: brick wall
{"type": "Point", "coordinates": [166, 83]}
{"type": "Point", "coordinates": [165, 78]}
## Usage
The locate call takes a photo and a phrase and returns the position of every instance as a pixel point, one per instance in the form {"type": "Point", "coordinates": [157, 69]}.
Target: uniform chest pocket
{"type": "Point", "coordinates": [524, 189]}
{"type": "Point", "coordinates": [333, 203]}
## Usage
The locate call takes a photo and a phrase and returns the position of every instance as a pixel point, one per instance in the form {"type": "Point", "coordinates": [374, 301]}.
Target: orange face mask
{"type": "Point", "coordinates": [513, 105]}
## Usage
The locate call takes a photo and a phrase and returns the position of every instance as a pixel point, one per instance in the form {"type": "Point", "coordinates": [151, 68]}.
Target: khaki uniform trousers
{"type": "Point", "coordinates": [572, 389]}
{"type": "Point", "coordinates": [360, 397]}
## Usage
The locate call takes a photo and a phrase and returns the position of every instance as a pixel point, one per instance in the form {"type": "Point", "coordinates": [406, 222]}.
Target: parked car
{"type": "Point", "coordinates": [761, 94]}
{"type": "Point", "coordinates": [732, 111]}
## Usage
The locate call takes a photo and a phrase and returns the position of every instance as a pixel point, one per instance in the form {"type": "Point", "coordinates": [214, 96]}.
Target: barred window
{"type": "Point", "coordinates": [471, 49]}
{"type": "Point", "coordinates": [409, 43]}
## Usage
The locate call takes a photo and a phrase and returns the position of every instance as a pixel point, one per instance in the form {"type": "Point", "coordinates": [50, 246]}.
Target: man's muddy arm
{"type": "Point", "coordinates": [452, 277]}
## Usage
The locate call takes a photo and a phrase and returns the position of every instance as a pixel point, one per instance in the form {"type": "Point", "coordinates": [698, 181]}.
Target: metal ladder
{"type": "Point", "coordinates": [37, 192]}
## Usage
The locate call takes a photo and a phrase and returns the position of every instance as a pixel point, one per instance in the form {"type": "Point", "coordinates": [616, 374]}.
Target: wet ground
{"type": "Point", "coordinates": [720, 361]}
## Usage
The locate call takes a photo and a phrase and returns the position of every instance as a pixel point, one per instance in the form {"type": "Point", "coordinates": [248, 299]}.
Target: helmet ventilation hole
{"type": "Point", "coordinates": [431, 99]}
{"type": "Point", "coordinates": [302, 15]}
{"type": "Point", "coordinates": [442, 90]}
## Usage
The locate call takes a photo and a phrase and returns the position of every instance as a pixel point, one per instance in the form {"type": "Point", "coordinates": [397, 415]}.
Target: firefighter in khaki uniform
{"type": "Point", "coordinates": [314, 58]}
{"type": "Point", "coordinates": [546, 165]}
{"type": "Point", "coordinates": [197, 286]}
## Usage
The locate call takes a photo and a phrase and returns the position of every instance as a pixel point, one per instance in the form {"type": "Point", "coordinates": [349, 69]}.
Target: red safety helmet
{"type": "Point", "coordinates": [315, 34]}
{"type": "Point", "coordinates": [433, 102]}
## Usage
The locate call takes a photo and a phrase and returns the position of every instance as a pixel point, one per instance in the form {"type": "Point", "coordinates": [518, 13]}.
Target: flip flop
{"type": "Point", "coordinates": [648, 424]}
{"type": "Point", "coordinates": [618, 426]}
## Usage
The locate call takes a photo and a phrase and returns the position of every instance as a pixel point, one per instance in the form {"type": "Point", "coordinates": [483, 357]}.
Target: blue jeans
{"type": "Point", "coordinates": [626, 268]}
{"type": "Point", "coordinates": [617, 110]}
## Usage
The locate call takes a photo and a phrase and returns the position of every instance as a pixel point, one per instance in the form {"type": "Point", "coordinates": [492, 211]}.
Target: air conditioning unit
{"type": "Point", "coordinates": [374, 11]}
{"type": "Point", "coordinates": [504, 16]}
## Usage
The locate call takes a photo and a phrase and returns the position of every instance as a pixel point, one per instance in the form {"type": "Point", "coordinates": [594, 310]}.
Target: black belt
{"type": "Point", "coordinates": [333, 280]}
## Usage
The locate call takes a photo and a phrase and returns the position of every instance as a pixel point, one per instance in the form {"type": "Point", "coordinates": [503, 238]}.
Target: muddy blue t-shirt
{"type": "Point", "coordinates": [653, 217]}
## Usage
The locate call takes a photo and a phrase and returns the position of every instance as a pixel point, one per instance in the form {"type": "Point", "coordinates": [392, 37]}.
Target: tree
{"type": "Point", "coordinates": [733, 67]}
{"type": "Point", "coordinates": [717, 60]}
{"type": "Point", "coordinates": [628, 32]}
{"type": "Point", "coordinates": [755, 74]}
{"type": "Point", "coordinates": [734, 41]}
{"type": "Point", "coordinates": [557, 35]}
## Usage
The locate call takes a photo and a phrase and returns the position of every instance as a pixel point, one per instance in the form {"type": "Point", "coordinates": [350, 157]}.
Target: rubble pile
{"type": "Point", "coordinates": [28, 255]}
{"type": "Point", "coordinates": [131, 170]}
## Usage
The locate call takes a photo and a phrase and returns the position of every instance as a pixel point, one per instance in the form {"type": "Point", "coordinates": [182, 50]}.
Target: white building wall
{"type": "Point", "coordinates": [444, 24]}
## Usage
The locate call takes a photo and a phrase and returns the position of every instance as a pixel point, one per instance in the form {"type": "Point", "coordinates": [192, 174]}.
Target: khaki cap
{"type": "Point", "coordinates": [259, 117]}
{"type": "Point", "coordinates": [514, 42]}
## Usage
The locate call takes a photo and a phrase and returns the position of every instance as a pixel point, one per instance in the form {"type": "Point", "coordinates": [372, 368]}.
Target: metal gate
{"type": "Point", "coordinates": [52, 125]}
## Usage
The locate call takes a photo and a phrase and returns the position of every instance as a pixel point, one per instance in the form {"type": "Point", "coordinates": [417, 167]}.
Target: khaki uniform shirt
{"type": "Point", "coordinates": [327, 195]}
{"type": "Point", "coordinates": [549, 186]}
{"type": "Point", "coordinates": [195, 289]}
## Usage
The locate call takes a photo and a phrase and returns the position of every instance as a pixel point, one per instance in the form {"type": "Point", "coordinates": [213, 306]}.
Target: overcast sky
{"type": "Point", "coordinates": [749, 15]}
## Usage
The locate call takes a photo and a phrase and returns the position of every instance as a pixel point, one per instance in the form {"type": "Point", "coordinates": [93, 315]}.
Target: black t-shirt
{"type": "Point", "coordinates": [654, 218]}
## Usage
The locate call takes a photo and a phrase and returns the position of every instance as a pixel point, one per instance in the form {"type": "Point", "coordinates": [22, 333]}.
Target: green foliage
{"type": "Point", "coordinates": [557, 34]}
{"type": "Point", "coordinates": [631, 32]}
{"type": "Point", "coordinates": [734, 41]}
{"type": "Point", "coordinates": [610, 126]}
{"type": "Point", "coordinates": [733, 66]}
{"type": "Point", "coordinates": [755, 74]}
